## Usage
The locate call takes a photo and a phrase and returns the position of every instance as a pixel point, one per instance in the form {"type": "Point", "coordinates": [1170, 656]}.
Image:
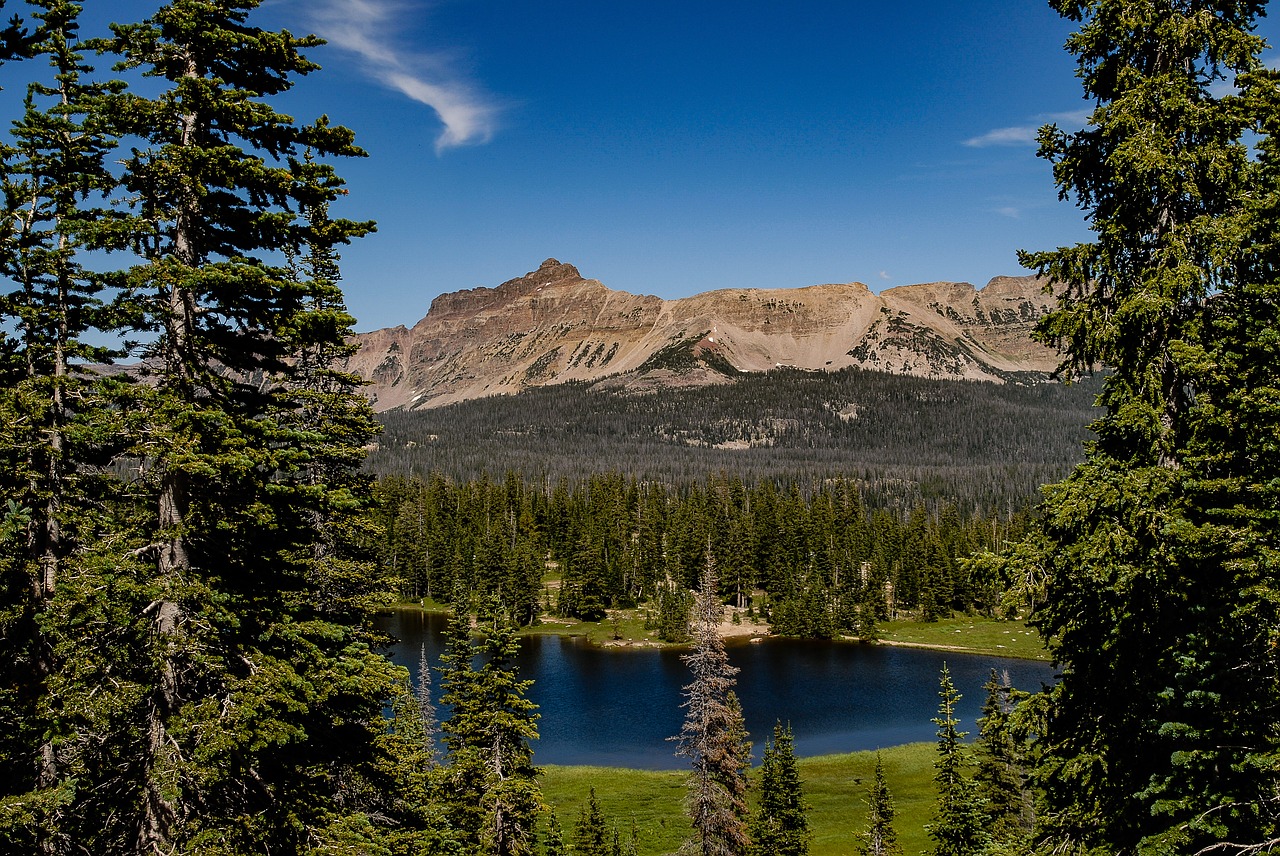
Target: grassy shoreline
{"type": "Point", "coordinates": [834, 785]}
{"type": "Point", "coordinates": [964, 634]}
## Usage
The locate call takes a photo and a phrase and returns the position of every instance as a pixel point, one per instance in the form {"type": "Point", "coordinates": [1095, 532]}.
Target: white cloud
{"type": "Point", "coordinates": [884, 274]}
{"type": "Point", "coordinates": [1010, 211]}
{"type": "Point", "coordinates": [1019, 135]}
{"type": "Point", "coordinates": [1025, 135]}
{"type": "Point", "coordinates": [366, 29]}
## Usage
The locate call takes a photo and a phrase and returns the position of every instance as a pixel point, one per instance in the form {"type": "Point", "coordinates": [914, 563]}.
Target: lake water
{"type": "Point", "coordinates": [616, 706]}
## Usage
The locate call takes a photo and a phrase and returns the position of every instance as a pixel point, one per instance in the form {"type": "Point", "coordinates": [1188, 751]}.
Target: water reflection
{"type": "Point", "coordinates": [617, 707]}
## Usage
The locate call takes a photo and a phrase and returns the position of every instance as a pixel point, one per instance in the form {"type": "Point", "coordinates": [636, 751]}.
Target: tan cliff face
{"type": "Point", "coordinates": [553, 326]}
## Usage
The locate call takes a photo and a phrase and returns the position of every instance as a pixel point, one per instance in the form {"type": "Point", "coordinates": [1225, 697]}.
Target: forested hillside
{"type": "Point", "coordinates": [811, 558]}
{"type": "Point", "coordinates": [983, 446]}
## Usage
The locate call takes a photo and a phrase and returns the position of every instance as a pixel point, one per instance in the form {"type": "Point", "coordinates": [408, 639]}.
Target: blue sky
{"type": "Point", "coordinates": [675, 147]}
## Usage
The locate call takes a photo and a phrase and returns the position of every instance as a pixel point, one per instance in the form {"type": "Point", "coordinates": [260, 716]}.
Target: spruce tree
{"type": "Point", "coordinates": [491, 783]}
{"type": "Point", "coordinates": [880, 838]}
{"type": "Point", "coordinates": [257, 698]}
{"type": "Point", "coordinates": [427, 707]}
{"type": "Point", "coordinates": [57, 423]}
{"type": "Point", "coordinates": [1000, 767]}
{"type": "Point", "coordinates": [553, 840]}
{"type": "Point", "coordinates": [202, 676]}
{"type": "Point", "coordinates": [959, 824]}
{"type": "Point", "coordinates": [591, 834]}
{"type": "Point", "coordinates": [463, 730]}
{"type": "Point", "coordinates": [713, 736]}
{"type": "Point", "coordinates": [407, 785]}
{"type": "Point", "coordinates": [1161, 600]}
{"type": "Point", "coordinates": [781, 823]}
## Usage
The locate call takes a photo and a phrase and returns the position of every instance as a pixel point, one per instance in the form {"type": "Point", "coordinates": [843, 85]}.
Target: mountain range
{"type": "Point", "coordinates": [552, 325]}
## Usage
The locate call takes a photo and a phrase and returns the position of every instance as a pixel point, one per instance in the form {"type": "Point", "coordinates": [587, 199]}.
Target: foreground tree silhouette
{"type": "Point", "coordinates": [1162, 603]}
{"type": "Point", "coordinates": [713, 736]}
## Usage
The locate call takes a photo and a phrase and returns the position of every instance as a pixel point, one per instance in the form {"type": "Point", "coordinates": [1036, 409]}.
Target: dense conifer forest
{"type": "Point", "coordinates": [813, 559]}
{"type": "Point", "coordinates": [985, 447]}
{"type": "Point", "coordinates": [831, 501]}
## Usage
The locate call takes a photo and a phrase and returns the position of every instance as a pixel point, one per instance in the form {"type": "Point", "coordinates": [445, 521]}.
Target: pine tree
{"type": "Point", "coordinates": [959, 824]}
{"type": "Point", "coordinates": [591, 835]}
{"type": "Point", "coordinates": [407, 784]}
{"type": "Point", "coordinates": [492, 789]}
{"type": "Point", "coordinates": [205, 678]}
{"type": "Point", "coordinates": [463, 731]}
{"type": "Point", "coordinates": [320, 401]}
{"type": "Point", "coordinates": [57, 421]}
{"type": "Point", "coordinates": [781, 823]}
{"type": "Point", "coordinates": [553, 841]}
{"type": "Point", "coordinates": [426, 707]}
{"type": "Point", "coordinates": [713, 736]}
{"type": "Point", "coordinates": [258, 697]}
{"type": "Point", "coordinates": [880, 837]}
{"type": "Point", "coordinates": [1000, 774]}
{"type": "Point", "coordinates": [1161, 600]}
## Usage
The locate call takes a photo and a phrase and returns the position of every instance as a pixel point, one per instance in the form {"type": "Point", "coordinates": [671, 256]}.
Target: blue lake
{"type": "Point", "coordinates": [617, 706]}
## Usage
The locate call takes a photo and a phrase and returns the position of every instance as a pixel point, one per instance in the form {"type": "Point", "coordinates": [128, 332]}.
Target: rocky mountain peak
{"type": "Point", "coordinates": [550, 273]}
{"type": "Point", "coordinates": [552, 326]}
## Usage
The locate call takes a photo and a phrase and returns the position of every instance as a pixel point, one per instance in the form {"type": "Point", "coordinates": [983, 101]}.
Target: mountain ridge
{"type": "Point", "coordinates": [552, 325]}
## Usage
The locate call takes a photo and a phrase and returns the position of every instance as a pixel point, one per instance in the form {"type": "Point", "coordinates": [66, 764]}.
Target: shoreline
{"type": "Point", "coordinates": [598, 633]}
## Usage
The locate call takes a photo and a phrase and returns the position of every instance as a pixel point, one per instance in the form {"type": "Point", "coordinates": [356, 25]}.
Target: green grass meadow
{"type": "Point", "coordinates": [835, 786]}
{"type": "Point", "coordinates": [970, 634]}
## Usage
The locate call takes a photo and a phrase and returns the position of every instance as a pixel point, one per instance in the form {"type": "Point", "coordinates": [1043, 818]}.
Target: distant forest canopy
{"type": "Point", "coordinates": [978, 445]}
{"type": "Point", "coordinates": [816, 562]}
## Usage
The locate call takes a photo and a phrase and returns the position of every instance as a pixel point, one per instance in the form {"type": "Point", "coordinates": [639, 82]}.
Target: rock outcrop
{"type": "Point", "coordinates": [553, 326]}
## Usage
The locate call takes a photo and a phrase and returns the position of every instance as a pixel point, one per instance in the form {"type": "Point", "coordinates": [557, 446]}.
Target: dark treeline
{"type": "Point", "coordinates": [977, 444]}
{"type": "Point", "coordinates": [815, 559]}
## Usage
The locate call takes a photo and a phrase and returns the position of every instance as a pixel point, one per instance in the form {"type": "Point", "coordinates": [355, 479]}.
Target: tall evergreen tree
{"type": "Point", "coordinates": [56, 420]}
{"type": "Point", "coordinates": [781, 823]}
{"type": "Point", "coordinates": [1161, 600]}
{"type": "Point", "coordinates": [492, 785]}
{"type": "Point", "coordinates": [463, 731]}
{"type": "Point", "coordinates": [713, 736]}
{"type": "Point", "coordinates": [959, 827]}
{"type": "Point", "coordinates": [1000, 768]}
{"type": "Point", "coordinates": [245, 712]}
{"type": "Point", "coordinates": [880, 838]}
{"type": "Point", "coordinates": [202, 675]}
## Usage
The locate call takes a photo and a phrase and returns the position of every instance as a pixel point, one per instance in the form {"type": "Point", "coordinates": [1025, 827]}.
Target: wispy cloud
{"type": "Point", "coordinates": [366, 29]}
{"type": "Point", "coordinates": [884, 274]}
{"type": "Point", "coordinates": [1018, 135]}
{"type": "Point", "coordinates": [1025, 135]}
